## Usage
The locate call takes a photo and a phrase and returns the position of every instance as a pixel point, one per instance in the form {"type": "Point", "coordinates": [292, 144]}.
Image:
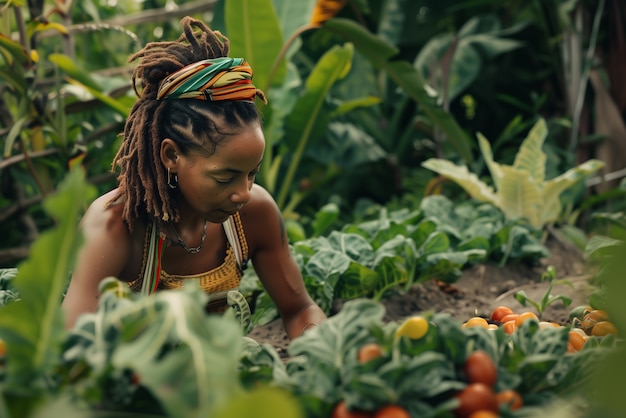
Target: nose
{"type": "Point", "coordinates": [241, 196]}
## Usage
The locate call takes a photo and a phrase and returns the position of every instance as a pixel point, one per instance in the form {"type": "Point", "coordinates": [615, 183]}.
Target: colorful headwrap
{"type": "Point", "coordinates": [212, 79]}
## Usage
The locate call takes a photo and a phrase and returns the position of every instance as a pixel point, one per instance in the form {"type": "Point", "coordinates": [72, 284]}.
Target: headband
{"type": "Point", "coordinates": [211, 79]}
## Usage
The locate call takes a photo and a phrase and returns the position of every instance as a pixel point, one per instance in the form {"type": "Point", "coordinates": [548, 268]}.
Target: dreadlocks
{"type": "Point", "coordinates": [142, 177]}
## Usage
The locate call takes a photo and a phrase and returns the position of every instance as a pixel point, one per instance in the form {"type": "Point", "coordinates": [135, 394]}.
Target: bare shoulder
{"type": "Point", "coordinates": [103, 218]}
{"type": "Point", "coordinates": [110, 249]}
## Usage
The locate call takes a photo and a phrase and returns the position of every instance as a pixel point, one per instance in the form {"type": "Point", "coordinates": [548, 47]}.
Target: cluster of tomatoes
{"type": "Point", "coordinates": [478, 399]}
{"type": "Point", "coordinates": [589, 322]}
{"type": "Point", "coordinates": [586, 322]}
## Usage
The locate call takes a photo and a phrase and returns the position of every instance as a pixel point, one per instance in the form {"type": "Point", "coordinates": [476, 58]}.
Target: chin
{"type": "Point", "coordinates": [217, 217]}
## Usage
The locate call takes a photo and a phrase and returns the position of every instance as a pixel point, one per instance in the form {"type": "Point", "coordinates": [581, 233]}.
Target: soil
{"type": "Point", "coordinates": [478, 291]}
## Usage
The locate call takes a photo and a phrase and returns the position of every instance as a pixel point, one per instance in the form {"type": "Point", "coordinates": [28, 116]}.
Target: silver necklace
{"type": "Point", "coordinates": [194, 250]}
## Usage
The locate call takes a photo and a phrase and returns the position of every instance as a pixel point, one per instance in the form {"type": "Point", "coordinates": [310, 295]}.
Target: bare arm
{"type": "Point", "coordinates": [104, 253]}
{"type": "Point", "coordinates": [275, 266]}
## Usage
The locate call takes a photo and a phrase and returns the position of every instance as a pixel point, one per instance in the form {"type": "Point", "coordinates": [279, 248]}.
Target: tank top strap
{"type": "Point", "coordinates": [237, 239]}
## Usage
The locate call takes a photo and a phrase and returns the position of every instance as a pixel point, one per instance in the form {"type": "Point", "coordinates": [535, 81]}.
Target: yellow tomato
{"type": "Point", "coordinates": [476, 321]}
{"type": "Point", "coordinates": [414, 327]}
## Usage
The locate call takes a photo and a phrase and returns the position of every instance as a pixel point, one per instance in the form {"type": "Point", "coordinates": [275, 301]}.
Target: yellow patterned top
{"type": "Point", "coordinates": [216, 282]}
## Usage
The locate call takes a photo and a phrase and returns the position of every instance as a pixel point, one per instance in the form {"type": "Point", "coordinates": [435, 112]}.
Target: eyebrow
{"type": "Point", "coordinates": [233, 170]}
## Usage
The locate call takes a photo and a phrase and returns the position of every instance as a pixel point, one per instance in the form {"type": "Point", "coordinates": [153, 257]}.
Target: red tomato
{"type": "Point", "coordinates": [500, 312]}
{"type": "Point", "coordinates": [341, 411]}
{"type": "Point", "coordinates": [392, 411]}
{"type": "Point", "coordinates": [480, 368]}
{"type": "Point", "coordinates": [475, 397]}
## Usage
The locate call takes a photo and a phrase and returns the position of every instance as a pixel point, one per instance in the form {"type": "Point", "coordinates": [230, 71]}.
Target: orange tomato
{"type": "Point", "coordinates": [369, 352]}
{"type": "Point", "coordinates": [510, 398]}
{"type": "Point", "coordinates": [509, 327]}
{"type": "Point", "coordinates": [480, 368]}
{"type": "Point", "coordinates": [475, 397]}
{"type": "Point", "coordinates": [525, 316]}
{"type": "Point", "coordinates": [509, 317]}
{"type": "Point", "coordinates": [484, 414]}
{"type": "Point", "coordinates": [575, 342]}
{"type": "Point", "coordinates": [500, 312]}
{"type": "Point", "coordinates": [476, 321]}
{"type": "Point", "coordinates": [603, 328]}
{"type": "Point", "coordinates": [597, 315]}
{"type": "Point", "coordinates": [392, 411]}
{"type": "Point", "coordinates": [590, 319]}
{"type": "Point", "coordinates": [341, 411]}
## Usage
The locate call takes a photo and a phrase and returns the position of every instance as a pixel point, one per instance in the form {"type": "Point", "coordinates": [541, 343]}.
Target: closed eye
{"type": "Point", "coordinates": [224, 181]}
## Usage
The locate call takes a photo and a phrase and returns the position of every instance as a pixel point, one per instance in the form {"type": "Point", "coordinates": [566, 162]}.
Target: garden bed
{"type": "Point", "coordinates": [479, 290]}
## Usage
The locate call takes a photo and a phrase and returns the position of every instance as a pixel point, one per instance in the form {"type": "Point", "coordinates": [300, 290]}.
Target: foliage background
{"type": "Point", "coordinates": [494, 68]}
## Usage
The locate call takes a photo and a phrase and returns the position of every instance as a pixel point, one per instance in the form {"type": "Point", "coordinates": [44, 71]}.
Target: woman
{"type": "Point", "coordinates": [186, 207]}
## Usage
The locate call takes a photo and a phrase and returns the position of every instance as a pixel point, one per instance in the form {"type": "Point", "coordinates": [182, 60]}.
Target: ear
{"type": "Point", "coordinates": [169, 153]}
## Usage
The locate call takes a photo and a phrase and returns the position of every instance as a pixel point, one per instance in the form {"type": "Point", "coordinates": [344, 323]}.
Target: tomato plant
{"type": "Point", "coordinates": [480, 368]}
{"type": "Point", "coordinates": [475, 397]}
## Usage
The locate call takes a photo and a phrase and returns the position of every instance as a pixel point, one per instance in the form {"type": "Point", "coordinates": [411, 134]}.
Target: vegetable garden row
{"type": "Point", "coordinates": [162, 355]}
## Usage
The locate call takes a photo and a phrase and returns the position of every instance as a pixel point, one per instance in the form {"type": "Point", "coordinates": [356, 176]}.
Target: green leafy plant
{"type": "Point", "coordinates": [521, 189]}
{"type": "Point", "coordinates": [547, 298]}
{"type": "Point", "coordinates": [32, 327]}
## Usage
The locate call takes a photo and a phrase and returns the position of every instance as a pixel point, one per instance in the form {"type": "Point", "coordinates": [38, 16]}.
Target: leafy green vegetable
{"type": "Point", "coordinates": [521, 190]}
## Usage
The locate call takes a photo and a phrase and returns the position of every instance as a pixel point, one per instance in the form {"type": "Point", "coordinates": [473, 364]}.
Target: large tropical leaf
{"type": "Point", "coordinates": [382, 55]}
{"type": "Point", "coordinates": [494, 168]}
{"type": "Point", "coordinates": [293, 15]}
{"type": "Point", "coordinates": [301, 123]}
{"type": "Point", "coordinates": [530, 156]}
{"type": "Point", "coordinates": [519, 195]}
{"type": "Point", "coordinates": [79, 77]}
{"type": "Point", "coordinates": [552, 189]}
{"type": "Point", "coordinates": [461, 175]}
{"type": "Point", "coordinates": [255, 34]}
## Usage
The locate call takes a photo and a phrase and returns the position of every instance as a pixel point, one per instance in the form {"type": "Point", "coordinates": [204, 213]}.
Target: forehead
{"type": "Point", "coordinates": [241, 149]}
